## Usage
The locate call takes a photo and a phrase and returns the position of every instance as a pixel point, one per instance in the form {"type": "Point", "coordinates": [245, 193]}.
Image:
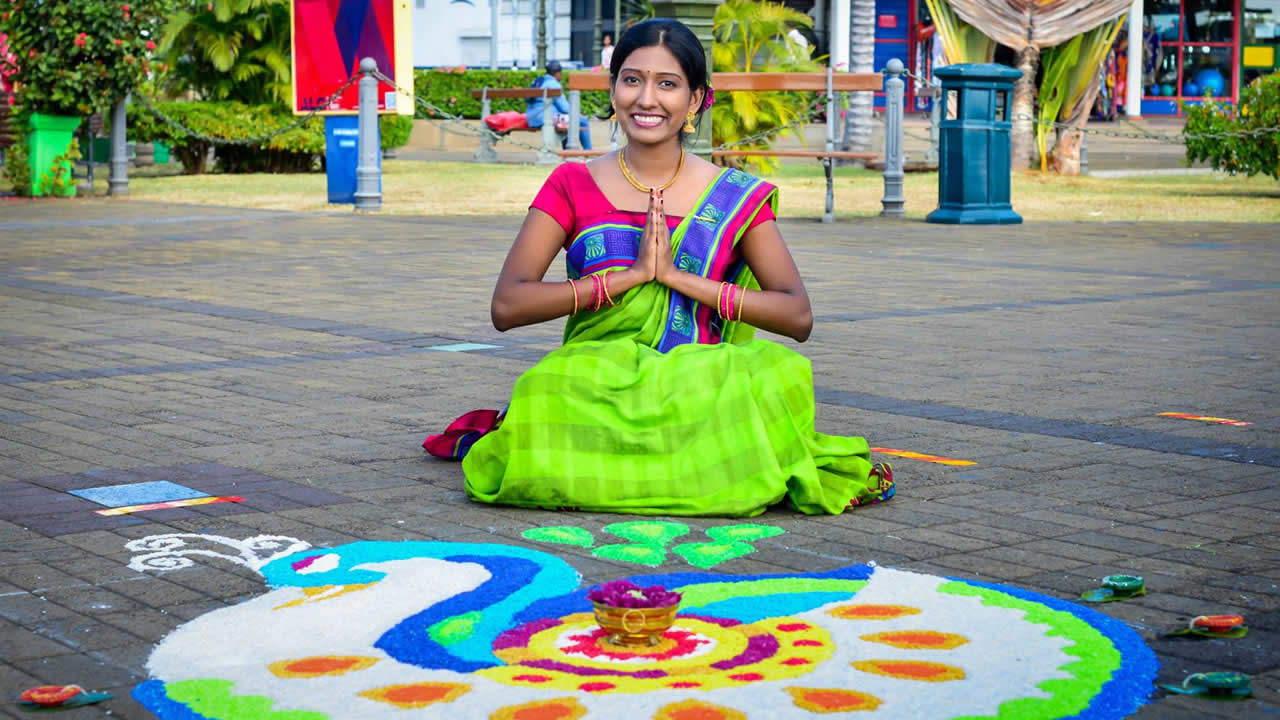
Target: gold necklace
{"type": "Point", "coordinates": [622, 165]}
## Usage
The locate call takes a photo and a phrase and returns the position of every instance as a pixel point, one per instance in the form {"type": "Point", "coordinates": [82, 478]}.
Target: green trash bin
{"type": "Point", "coordinates": [973, 157]}
{"type": "Point", "coordinates": [162, 153]}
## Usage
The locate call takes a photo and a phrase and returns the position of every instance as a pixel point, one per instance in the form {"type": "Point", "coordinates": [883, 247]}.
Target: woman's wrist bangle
{"type": "Point", "coordinates": [607, 298]}
{"type": "Point", "coordinates": [574, 285]}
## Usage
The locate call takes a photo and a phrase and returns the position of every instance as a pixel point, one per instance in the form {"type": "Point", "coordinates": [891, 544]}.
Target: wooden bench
{"type": "Point", "coordinates": [829, 82]}
{"type": "Point", "coordinates": [548, 153]}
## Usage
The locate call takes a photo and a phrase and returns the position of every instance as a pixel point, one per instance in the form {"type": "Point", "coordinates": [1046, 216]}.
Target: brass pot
{"type": "Point", "coordinates": [635, 626]}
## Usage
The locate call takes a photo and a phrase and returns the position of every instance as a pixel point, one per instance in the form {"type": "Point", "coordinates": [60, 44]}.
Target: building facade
{"type": "Point", "coordinates": [448, 33]}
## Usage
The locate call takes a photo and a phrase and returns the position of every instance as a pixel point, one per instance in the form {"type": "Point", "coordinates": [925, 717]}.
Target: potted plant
{"type": "Point", "coordinates": [635, 615]}
{"type": "Point", "coordinates": [67, 60]}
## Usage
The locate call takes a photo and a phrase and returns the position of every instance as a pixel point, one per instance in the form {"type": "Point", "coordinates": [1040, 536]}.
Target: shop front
{"type": "Point", "coordinates": [1194, 49]}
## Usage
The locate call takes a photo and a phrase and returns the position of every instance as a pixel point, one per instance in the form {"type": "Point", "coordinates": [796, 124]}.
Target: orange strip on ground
{"type": "Point", "coordinates": [921, 456]}
{"type": "Point", "coordinates": [169, 504]}
{"type": "Point", "coordinates": [1205, 418]}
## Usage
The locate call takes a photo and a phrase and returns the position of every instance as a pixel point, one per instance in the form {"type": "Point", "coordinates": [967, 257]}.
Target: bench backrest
{"type": "Point", "coordinates": [760, 82]}
{"type": "Point", "coordinates": [496, 93]}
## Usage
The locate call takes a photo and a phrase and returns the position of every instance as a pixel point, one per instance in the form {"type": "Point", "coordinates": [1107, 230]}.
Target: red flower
{"type": "Point", "coordinates": [126, 8]}
{"type": "Point", "coordinates": [80, 39]}
{"type": "Point", "coordinates": [31, 53]}
{"type": "Point", "coordinates": [151, 45]}
{"type": "Point", "coordinates": [117, 41]}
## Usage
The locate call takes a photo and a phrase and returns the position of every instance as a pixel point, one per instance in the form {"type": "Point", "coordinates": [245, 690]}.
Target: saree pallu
{"type": "Point", "coordinates": [655, 407]}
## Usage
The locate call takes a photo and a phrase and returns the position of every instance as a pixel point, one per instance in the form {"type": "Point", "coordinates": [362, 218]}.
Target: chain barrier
{"type": "Point", "coordinates": [1179, 139]}
{"type": "Point", "coordinates": [478, 131]}
{"type": "Point", "coordinates": [252, 140]}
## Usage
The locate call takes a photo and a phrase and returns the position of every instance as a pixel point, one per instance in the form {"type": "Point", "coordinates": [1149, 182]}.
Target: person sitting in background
{"type": "Point", "coordinates": [606, 51]}
{"type": "Point", "coordinates": [535, 107]}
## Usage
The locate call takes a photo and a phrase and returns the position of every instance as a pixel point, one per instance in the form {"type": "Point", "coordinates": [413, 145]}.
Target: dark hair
{"type": "Point", "coordinates": [672, 35]}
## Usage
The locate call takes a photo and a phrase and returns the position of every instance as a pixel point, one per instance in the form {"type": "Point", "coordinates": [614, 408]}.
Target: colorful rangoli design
{"type": "Point", "coordinates": [372, 629]}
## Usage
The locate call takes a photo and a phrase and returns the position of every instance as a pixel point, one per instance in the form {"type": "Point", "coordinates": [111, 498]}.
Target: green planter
{"type": "Point", "coordinates": [50, 137]}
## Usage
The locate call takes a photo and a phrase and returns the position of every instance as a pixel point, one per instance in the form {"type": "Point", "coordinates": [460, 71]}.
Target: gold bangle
{"type": "Point", "coordinates": [720, 306]}
{"type": "Point", "coordinates": [606, 290]}
{"type": "Point", "coordinates": [741, 296]}
{"type": "Point", "coordinates": [574, 285]}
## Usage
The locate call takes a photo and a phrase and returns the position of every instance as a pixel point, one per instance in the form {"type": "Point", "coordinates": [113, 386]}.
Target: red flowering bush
{"type": "Point", "coordinates": [75, 58]}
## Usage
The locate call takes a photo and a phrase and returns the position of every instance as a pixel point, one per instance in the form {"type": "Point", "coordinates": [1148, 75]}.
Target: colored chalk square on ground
{"type": "Point", "coordinates": [1205, 418]}
{"type": "Point", "coordinates": [921, 456]}
{"type": "Point", "coordinates": [142, 493]}
{"type": "Point", "coordinates": [462, 347]}
{"type": "Point", "coordinates": [125, 510]}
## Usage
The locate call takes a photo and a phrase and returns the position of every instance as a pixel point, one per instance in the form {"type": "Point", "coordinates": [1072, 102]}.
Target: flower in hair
{"type": "Point", "coordinates": [709, 99]}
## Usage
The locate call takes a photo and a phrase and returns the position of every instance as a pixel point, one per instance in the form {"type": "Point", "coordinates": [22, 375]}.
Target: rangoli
{"type": "Point", "coordinates": [372, 629]}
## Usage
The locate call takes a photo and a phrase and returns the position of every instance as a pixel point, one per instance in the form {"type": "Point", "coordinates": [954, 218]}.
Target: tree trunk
{"type": "Point", "coordinates": [862, 54]}
{"type": "Point", "coordinates": [1022, 152]}
{"type": "Point", "coordinates": [1065, 156]}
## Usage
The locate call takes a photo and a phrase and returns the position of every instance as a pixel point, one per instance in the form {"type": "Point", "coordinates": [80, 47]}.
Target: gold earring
{"type": "Point", "coordinates": [688, 123]}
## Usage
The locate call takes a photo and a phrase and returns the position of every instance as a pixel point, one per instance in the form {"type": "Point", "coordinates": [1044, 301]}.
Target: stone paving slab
{"type": "Point", "coordinates": [295, 359]}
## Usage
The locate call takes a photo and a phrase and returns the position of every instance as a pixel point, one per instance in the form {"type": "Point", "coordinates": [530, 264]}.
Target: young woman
{"type": "Point", "coordinates": [659, 402]}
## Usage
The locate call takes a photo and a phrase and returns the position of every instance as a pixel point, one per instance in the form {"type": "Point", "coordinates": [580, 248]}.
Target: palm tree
{"type": "Point", "coordinates": [230, 50]}
{"type": "Point", "coordinates": [862, 54]}
{"type": "Point", "coordinates": [1030, 26]}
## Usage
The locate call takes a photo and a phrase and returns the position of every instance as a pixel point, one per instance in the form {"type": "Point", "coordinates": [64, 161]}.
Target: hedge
{"type": "Point", "coordinates": [300, 149]}
{"type": "Point", "coordinates": [450, 90]}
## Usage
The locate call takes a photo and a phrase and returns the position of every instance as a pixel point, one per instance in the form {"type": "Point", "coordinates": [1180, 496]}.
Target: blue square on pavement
{"type": "Point", "coordinates": [138, 493]}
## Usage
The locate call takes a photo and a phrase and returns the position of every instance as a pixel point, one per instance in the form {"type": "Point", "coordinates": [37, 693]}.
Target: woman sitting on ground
{"type": "Point", "coordinates": [659, 402]}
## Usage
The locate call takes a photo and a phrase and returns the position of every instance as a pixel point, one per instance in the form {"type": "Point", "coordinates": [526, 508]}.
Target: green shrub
{"type": "Point", "coordinates": [295, 150]}
{"type": "Point", "coordinates": [17, 167]}
{"type": "Point", "coordinates": [394, 131]}
{"type": "Point", "coordinates": [450, 90]}
{"type": "Point", "coordinates": [1259, 110]}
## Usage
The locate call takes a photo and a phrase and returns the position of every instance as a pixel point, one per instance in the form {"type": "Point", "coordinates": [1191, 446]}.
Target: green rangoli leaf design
{"type": "Point", "coordinates": [648, 532]}
{"type": "Point", "coordinates": [562, 534]}
{"type": "Point", "coordinates": [746, 532]}
{"type": "Point", "coordinates": [707, 555]}
{"type": "Point", "coordinates": [650, 555]}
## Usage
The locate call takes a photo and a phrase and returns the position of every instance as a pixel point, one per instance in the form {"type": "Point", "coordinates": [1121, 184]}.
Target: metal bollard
{"type": "Point", "coordinates": [1084, 153]}
{"type": "Point", "coordinates": [368, 193]}
{"type": "Point", "coordinates": [935, 117]}
{"type": "Point", "coordinates": [828, 162]}
{"type": "Point", "coordinates": [486, 153]}
{"type": "Point", "coordinates": [575, 112]}
{"type": "Point", "coordinates": [893, 201]}
{"type": "Point", "coordinates": [118, 177]}
{"type": "Point", "coordinates": [549, 153]}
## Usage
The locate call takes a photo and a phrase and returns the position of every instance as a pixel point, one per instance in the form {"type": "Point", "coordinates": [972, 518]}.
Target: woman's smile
{"type": "Point", "coordinates": [648, 120]}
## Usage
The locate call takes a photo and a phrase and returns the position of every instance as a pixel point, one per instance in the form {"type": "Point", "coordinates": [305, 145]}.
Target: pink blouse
{"type": "Point", "coordinates": [572, 197]}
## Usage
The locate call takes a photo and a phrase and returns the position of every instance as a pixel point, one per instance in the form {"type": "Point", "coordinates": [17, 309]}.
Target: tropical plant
{"type": "Point", "coordinates": [1235, 151]}
{"type": "Point", "coordinates": [1029, 27]}
{"type": "Point", "coordinates": [76, 58]}
{"type": "Point", "coordinates": [17, 168]}
{"type": "Point", "coordinates": [230, 50]}
{"type": "Point", "coordinates": [1067, 91]}
{"type": "Point", "coordinates": [752, 37]}
{"type": "Point", "coordinates": [961, 42]}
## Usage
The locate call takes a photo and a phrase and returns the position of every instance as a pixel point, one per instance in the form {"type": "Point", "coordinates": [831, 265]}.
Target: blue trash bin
{"type": "Point", "coordinates": [973, 157]}
{"type": "Point", "coordinates": [342, 156]}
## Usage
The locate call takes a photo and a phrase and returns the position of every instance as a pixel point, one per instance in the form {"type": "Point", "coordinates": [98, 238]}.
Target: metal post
{"type": "Point", "coordinates": [595, 44]}
{"type": "Point", "coordinates": [118, 177]}
{"type": "Point", "coordinates": [1133, 78]}
{"type": "Point", "coordinates": [493, 33]}
{"type": "Point", "coordinates": [935, 117]}
{"type": "Point", "coordinates": [575, 112]}
{"type": "Point", "coordinates": [549, 153]}
{"type": "Point", "coordinates": [827, 162]}
{"type": "Point", "coordinates": [542, 33]}
{"type": "Point", "coordinates": [617, 21]}
{"type": "Point", "coordinates": [893, 201]}
{"type": "Point", "coordinates": [368, 174]}
{"type": "Point", "coordinates": [486, 153]}
{"type": "Point", "coordinates": [1084, 153]}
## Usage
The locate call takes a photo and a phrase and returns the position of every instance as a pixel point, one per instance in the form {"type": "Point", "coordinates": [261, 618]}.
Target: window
{"type": "Point", "coordinates": [1190, 48]}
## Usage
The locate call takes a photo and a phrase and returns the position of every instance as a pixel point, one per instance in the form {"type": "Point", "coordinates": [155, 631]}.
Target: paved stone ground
{"type": "Point", "coordinates": [296, 359]}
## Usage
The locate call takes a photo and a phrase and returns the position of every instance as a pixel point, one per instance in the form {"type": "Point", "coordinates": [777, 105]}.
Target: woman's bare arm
{"type": "Point", "coordinates": [522, 298]}
{"type": "Point", "coordinates": [780, 306]}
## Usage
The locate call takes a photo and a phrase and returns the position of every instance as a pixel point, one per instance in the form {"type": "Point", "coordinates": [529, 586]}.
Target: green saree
{"type": "Point", "coordinates": [652, 408]}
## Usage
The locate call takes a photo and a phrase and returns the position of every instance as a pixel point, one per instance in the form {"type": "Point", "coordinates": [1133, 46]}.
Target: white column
{"type": "Point", "coordinates": [840, 35]}
{"type": "Point", "coordinates": [1133, 79]}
